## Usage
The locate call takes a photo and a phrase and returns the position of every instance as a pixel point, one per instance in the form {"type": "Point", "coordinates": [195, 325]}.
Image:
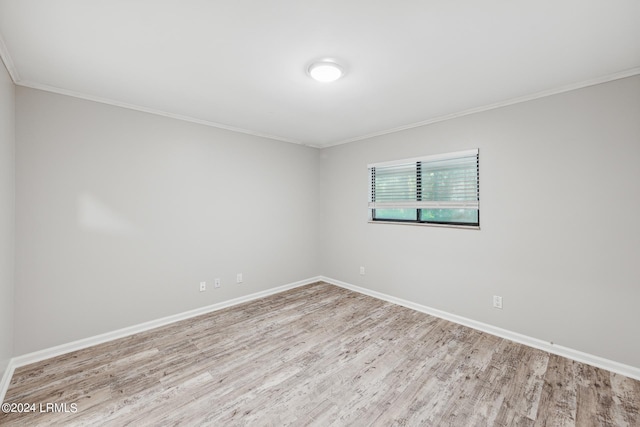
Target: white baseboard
{"type": "Point", "coordinates": [610, 365]}
{"type": "Point", "coordinates": [47, 353]}
{"type": "Point", "coordinates": [6, 379]}
{"type": "Point", "coordinates": [578, 356]}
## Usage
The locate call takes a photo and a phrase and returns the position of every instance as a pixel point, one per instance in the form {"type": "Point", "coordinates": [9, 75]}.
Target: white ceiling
{"type": "Point", "coordinates": [241, 64]}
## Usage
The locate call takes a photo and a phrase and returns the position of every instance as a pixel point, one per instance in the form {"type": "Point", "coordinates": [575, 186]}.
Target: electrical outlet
{"type": "Point", "coordinates": [239, 278]}
{"type": "Point", "coordinates": [217, 283]}
{"type": "Point", "coordinates": [203, 286]}
{"type": "Point", "coordinates": [497, 302]}
{"type": "Point", "coordinates": [362, 271]}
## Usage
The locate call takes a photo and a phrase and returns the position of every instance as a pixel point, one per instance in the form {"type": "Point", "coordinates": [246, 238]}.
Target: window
{"type": "Point", "coordinates": [441, 189]}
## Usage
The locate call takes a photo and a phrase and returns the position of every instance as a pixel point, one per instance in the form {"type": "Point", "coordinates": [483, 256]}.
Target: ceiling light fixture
{"type": "Point", "coordinates": [325, 71]}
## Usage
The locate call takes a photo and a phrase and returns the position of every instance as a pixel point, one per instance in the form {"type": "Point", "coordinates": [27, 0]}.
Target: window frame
{"type": "Point", "coordinates": [419, 220]}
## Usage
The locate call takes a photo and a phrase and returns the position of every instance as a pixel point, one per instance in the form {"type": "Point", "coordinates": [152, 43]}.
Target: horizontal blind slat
{"type": "Point", "coordinates": [433, 158]}
{"type": "Point", "coordinates": [446, 181]}
{"type": "Point", "coordinates": [425, 205]}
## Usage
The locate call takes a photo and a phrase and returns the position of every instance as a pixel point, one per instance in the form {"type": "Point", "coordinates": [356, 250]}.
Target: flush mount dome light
{"type": "Point", "coordinates": [325, 71]}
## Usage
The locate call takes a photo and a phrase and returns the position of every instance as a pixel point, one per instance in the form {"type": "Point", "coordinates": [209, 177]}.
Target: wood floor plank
{"type": "Point", "coordinates": [557, 406]}
{"type": "Point", "coordinates": [525, 389]}
{"type": "Point", "coordinates": [626, 404]}
{"type": "Point", "coordinates": [320, 355]}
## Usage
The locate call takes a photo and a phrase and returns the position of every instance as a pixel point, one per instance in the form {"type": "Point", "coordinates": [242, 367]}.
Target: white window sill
{"type": "Point", "coordinates": [425, 224]}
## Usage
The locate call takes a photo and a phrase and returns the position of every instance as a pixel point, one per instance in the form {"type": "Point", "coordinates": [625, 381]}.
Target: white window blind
{"type": "Point", "coordinates": [441, 189]}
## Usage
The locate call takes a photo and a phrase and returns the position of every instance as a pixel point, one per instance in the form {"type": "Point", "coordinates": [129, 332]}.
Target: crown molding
{"type": "Point", "coordinates": [542, 94]}
{"type": "Point", "coordinates": [8, 62]}
{"type": "Point", "coordinates": [112, 102]}
{"type": "Point", "coordinates": [6, 58]}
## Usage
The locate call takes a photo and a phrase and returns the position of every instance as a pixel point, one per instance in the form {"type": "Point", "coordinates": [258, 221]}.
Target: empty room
{"type": "Point", "coordinates": [339, 213]}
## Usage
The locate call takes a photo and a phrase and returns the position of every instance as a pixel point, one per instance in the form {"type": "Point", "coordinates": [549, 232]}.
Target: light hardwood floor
{"type": "Point", "coordinates": [320, 355]}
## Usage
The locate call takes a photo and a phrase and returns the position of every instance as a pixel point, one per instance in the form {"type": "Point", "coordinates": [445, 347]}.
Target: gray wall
{"type": "Point", "coordinates": [120, 215]}
{"type": "Point", "coordinates": [7, 212]}
{"type": "Point", "coordinates": [560, 235]}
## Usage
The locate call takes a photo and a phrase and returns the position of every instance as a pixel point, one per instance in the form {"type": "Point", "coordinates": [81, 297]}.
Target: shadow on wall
{"type": "Point", "coordinates": [94, 215]}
